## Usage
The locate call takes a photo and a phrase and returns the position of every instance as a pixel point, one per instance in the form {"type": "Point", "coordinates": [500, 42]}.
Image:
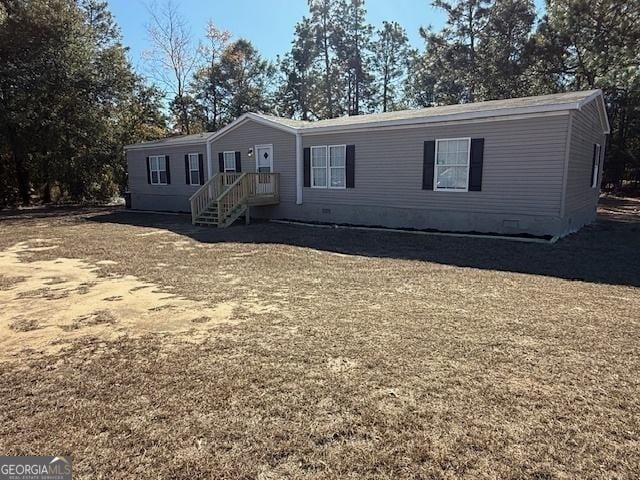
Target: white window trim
{"type": "Point", "coordinates": [435, 166]}
{"type": "Point", "coordinates": [326, 158]}
{"type": "Point", "coordinates": [328, 167]}
{"type": "Point", "coordinates": [151, 169]}
{"type": "Point", "coordinates": [224, 162]}
{"type": "Point", "coordinates": [191, 170]}
{"type": "Point", "coordinates": [595, 167]}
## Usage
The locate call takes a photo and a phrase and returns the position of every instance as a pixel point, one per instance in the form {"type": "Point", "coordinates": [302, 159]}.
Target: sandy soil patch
{"type": "Point", "coordinates": [46, 304]}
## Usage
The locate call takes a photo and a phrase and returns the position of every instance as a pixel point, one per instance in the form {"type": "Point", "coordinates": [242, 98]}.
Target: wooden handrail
{"type": "Point", "coordinates": [204, 196]}
{"type": "Point", "coordinates": [234, 195]}
{"type": "Point", "coordinates": [230, 189]}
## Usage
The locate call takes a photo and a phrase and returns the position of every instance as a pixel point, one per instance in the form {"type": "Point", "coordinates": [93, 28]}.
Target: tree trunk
{"type": "Point", "coordinates": [22, 174]}
{"type": "Point", "coordinates": [46, 192]}
{"type": "Point", "coordinates": [358, 63]}
{"type": "Point", "coordinates": [215, 109]}
{"type": "Point", "coordinates": [385, 88]}
{"type": "Point", "coordinates": [472, 52]}
{"type": "Point", "coordinates": [327, 71]}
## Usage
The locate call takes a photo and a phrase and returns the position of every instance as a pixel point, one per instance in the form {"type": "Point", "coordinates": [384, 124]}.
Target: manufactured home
{"type": "Point", "coordinates": [520, 166]}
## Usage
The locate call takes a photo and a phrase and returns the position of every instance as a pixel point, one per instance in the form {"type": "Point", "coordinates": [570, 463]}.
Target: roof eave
{"type": "Point", "coordinates": [167, 142]}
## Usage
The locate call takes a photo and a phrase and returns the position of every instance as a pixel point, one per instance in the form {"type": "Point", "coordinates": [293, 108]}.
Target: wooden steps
{"type": "Point", "coordinates": [227, 196]}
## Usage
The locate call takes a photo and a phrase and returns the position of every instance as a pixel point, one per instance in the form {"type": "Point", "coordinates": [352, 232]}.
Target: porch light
{"type": "Point", "coordinates": [250, 152]}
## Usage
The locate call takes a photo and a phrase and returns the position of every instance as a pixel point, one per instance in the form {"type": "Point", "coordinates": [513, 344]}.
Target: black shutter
{"type": "Point", "coordinates": [166, 159]}
{"type": "Point", "coordinates": [307, 167]}
{"type": "Point", "coordinates": [238, 162]}
{"type": "Point", "coordinates": [428, 164]}
{"type": "Point", "coordinates": [475, 164]}
{"type": "Point", "coordinates": [593, 164]}
{"type": "Point", "coordinates": [201, 168]}
{"type": "Point", "coordinates": [148, 171]}
{"type": "Point", "coordinates": [187, 169]}
{"type": "Point", "coordinates": [221, 162]}
{"type": "Point", "coordinates": [351, 166]}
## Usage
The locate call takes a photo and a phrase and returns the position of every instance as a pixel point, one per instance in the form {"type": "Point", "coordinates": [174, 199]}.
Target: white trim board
{"type": "Point", "coordinates": [565, 170]}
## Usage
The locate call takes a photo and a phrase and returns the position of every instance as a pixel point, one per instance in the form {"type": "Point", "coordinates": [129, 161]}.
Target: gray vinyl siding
{"type": "Point", "coordinates": [250, 134]}
{"type": "Point", "coordinates": [522, 173]}
{"type": "Point", "coordinates": [585, 131]}
{"type": "Point", "coordinates": [172, 197]}
{"type": "Point", "coordinates": [526, 170]}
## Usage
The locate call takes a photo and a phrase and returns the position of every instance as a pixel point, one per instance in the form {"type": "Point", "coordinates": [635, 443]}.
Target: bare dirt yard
{"type": "Point", "coordinates": [145, 347]}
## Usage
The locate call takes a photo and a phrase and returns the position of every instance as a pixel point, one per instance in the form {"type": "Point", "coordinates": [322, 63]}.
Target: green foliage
{"type": "Point", "coordinates": [392, 58]}
{"type": "Point", "coordinates": [298, 94]}
{"type": "Point", "coordinates": [351, 40]}
{"type": "Point", "coordinates": [236, 82]}
{"type": "Point", "coordinates": [66, 89]}
{"type": "Point", "coordinates": [594, 44]}
{"type": "Point", "coordinates": [246, 79]}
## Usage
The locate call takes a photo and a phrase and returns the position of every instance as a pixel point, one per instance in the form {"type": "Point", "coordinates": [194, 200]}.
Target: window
{"type": "Point", "coordinates": [328, 165]}
{"type": "Point", "coordinates": [319, 167]}
{"type": "Point", "coordinates": [194, 169]}
{"type": "Point", "coordinates": [596, 165]}
{"type": "Point", "coordinates": [229, 161]}
{"type": "Point", "coordinates": [337, 162]}
{"type": "Point", "coordinates": [158, 170]}
{"type": "Point", "coordinates": [451, 172]}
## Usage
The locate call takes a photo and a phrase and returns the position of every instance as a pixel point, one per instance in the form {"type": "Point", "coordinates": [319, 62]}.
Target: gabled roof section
{"type": "Point", "coordinates": [288, 122]}
{"type": "Point", "coordinates": [602, 111]}
{"type": "Point", "coordinates": [556, 102]}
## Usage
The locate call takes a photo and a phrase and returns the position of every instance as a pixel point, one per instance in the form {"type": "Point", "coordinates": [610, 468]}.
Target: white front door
{"type": "Point", "coordinates": [264, 164]}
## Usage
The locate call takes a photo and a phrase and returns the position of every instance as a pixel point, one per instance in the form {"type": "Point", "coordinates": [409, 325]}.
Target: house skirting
{"type": "Point", "coordinates": [421, 219]}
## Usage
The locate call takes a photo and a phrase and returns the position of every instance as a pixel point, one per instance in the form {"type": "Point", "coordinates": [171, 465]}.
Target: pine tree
{"type": "Point", "coordinates": [503, 49]}
{"type": "Point", "coordinates": [246, 80]}
{"type": "Point", "coordinates": [392, 59]}
{"type": "Point", "coordinates": [207, 81]}
{"type": "Point", "coordinates": [321, 22]}
{"type": "Point", "coordinates": [298, 91]}
{"type": "Point", "coordinates": [453, 53]}
{"type": "Point", "coordinates": [352, 43]}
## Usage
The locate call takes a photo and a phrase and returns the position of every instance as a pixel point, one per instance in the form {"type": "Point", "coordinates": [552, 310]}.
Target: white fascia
{"type": "Point", "coordinates": [299, 168]}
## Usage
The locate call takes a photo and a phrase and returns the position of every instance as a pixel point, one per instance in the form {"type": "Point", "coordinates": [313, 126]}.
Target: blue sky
{"type": "Point", "coordinates": [268, 24]}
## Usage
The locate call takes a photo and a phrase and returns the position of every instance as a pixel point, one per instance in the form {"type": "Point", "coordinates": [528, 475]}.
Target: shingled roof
{"type": "Point", "coordinates": [556, 101]}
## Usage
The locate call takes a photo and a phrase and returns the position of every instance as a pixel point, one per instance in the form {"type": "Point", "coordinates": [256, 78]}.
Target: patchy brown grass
{"type": "Point", "coordinates": [24, 324]}
{"type": "Point", "coordinates": [7, 282]}
{"type": "Point", "coordinates": [347, 354]}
